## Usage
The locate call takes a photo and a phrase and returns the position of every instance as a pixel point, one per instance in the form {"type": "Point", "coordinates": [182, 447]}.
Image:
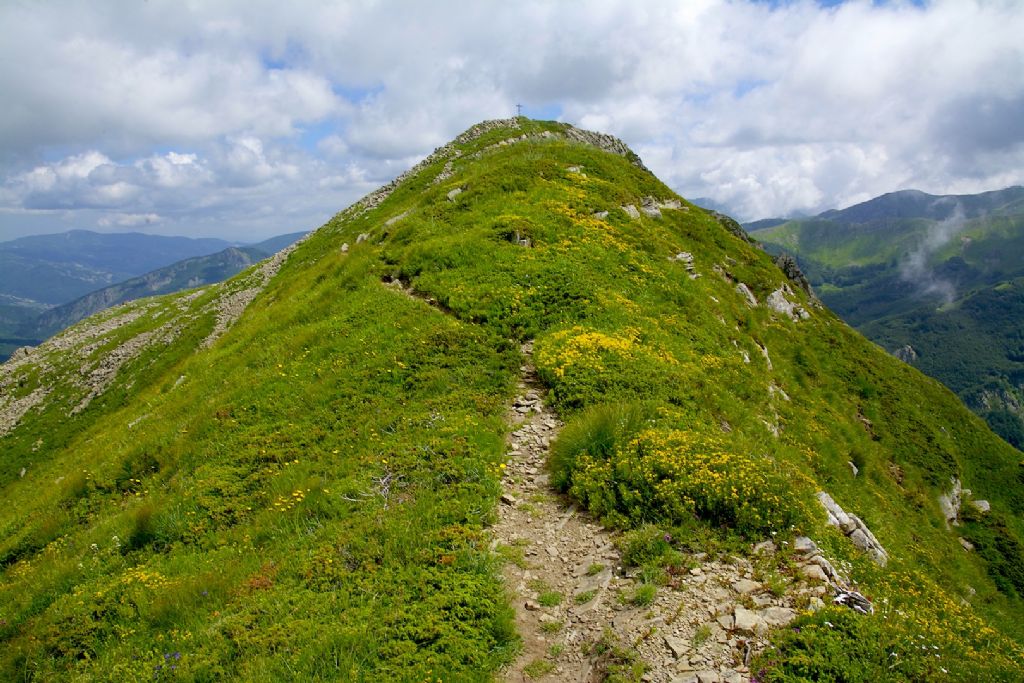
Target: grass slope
{"type": "Point", "coordinates": [308, 499]}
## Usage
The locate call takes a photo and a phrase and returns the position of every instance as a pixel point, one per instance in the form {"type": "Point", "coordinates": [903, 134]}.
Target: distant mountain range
{"type": "Point", "coordinates": [938, 279]}
{"type": "Point", "coordinates": [48, 282]}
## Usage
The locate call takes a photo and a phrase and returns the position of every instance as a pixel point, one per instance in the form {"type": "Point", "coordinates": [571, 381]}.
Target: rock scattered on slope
{"type": "Point", "coordinates": [853, 528]}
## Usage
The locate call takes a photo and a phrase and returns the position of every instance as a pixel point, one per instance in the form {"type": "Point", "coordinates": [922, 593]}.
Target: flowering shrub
{"type": "Point", "coordinates": [584, 365]}
{"type": "Point", "coordinates": [674, 475]}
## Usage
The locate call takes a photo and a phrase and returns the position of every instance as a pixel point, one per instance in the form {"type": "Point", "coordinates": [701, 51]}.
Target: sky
{"type": "Point", "coordinates": [248, 119]}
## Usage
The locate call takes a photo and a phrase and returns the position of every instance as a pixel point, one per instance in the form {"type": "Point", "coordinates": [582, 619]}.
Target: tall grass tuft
{"type": "Point", "coordinates": [597, 431]}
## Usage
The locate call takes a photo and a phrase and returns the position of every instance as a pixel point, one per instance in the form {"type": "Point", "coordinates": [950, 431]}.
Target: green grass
{"type": "Point", "coordinates": [312, 500]}
{"type": "Point", "coordinates": [550, 599]}
{"type": "Point", "coordinates": [538, 668]}
{"type": "Point", "coordinates": [642, 595]}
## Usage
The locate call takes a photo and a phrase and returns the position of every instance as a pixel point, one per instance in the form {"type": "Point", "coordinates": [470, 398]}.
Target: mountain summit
{"type": "Point", "coordinates": [523, 411]}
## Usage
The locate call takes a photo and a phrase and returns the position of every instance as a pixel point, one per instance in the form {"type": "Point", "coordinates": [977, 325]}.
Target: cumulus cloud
{"type": "Point", "coordinates": [250, 118]}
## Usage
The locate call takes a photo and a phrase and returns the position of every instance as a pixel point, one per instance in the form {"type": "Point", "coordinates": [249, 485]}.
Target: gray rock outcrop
{"type": "Point", "coordinates": [950, 503]}
{"type": "Point", "coordinates": [747, 294]}
{"type": "Point", "coordinates": [686, 258]}
{"type": "Point", "coordinates": [779, 302]}
{"type": "Point", "coordinates": [906, 353]}
{"type": "Point", "coordinates": [853, 528]}
{"type": "Point", "coordinates": [789, 267]}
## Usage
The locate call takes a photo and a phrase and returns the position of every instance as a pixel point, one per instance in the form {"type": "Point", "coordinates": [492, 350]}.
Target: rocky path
{"type": "Point", "coordinates": [577, 610]}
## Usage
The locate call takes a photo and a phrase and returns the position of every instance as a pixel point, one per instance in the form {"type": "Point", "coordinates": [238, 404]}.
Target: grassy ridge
{"type": "Point", "coordinates": [311, 500]}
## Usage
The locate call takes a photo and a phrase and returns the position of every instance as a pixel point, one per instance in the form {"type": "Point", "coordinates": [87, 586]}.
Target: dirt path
{"type": "Point", "coordinates": [576, 606]}
{"type": "Point", "coordinates": [557, 555]}
{"type": "Point", "coordinates": [574, 603]}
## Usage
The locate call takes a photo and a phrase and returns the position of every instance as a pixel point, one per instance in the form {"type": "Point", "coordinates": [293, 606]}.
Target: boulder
{"type": "Point", "coordinates": [836, 515]}
{"type": "Point", "coordinates": [814, 572]}
{"type": "Point", "coordinates": [650, 207]}
{"type": "Point", "coordinates": [744, 586]}
{"type": "Point", "coordinates": [778, 616]}
{"type": "Point", "coordinates": [804, 545]}
{"type": "Point", "coordinates": [854, 528]}
{"type": "Point", "coordinates": [778, 302]}
{"type": "Point", "coordinates": [631, 211]}
{"type": "Point", "coordinates": [678, 646]}
{"type": "Point", "coordinates": [747, 621]}
{"type": "Point", "coordinates": [907, 354]}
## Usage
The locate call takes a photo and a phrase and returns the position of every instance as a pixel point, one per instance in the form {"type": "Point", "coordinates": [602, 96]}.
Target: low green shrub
{"type": "Point", "coordinates": [598, 432]}
{"type": "Point", "coordinates": [648, 545]}
{"type": "Point", "coordinates": [671, 476]}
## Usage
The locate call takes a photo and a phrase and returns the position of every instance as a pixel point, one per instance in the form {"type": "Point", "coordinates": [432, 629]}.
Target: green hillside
{"type": "Point", "coordinates": [292, 475]}
{"type": "Point", "coordinates": [933, 273]}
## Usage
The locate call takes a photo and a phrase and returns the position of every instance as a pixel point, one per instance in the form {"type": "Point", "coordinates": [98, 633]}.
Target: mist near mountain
{"type": "Point", "coordinates": [934, 278]}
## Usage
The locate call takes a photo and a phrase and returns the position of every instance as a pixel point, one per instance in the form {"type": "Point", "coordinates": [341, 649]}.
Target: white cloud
{"type": "Point", "coordinates": [128, 220]}
{"type": "Point", "coordinates": [234, 117]}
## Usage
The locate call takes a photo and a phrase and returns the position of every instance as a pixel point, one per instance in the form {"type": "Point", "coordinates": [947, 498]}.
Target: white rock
{"type": "Point", "coordinates": [842, 520]}
{"type": "Point", "coordinates": [747, 294]}
{"type": "Point", "coordinates": [950, 503]}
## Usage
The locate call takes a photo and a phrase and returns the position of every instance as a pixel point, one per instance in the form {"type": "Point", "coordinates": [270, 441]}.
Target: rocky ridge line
{"type": "Point", "coordinates": [231, 306]}
{"type": "Point", "coordinates": [450, 151]}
